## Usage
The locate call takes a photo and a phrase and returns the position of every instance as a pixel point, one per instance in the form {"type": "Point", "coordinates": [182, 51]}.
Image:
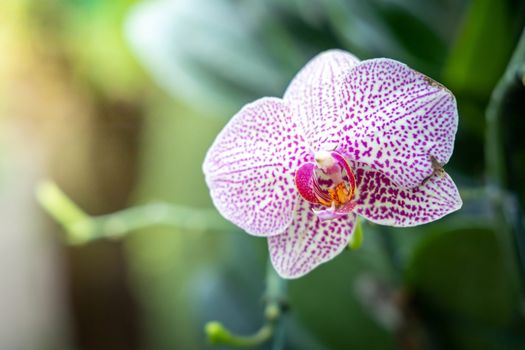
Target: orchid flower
{"type": "Point", "coordinates": [349, 138]}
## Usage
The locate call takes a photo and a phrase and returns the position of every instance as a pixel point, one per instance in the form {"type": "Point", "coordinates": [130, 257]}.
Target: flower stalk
{"type": "Point", "coordinates": [276, 306]}
{"type": "Point", "coordinates": [506, 207]}
{"type": "Point", "coordinates": [356, 240]}
{"type": "Point", "coordinates": [82, 228]}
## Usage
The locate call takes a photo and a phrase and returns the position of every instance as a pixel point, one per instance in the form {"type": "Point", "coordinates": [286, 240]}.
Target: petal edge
{"type": "Point", "coordinates": [309, 242]}
{"type": "Point", "coordinates": [383, 202]}
{"type": "Point", "coordinates": [315, 99]}
{"type": "Point", "coordinates": [396, 119]}
{"type": "Point", "coordinates": [250, 166]}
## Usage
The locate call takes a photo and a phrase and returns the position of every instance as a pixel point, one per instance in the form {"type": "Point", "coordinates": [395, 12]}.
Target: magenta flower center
{"type": "Point", "coordinates": [329, 182]}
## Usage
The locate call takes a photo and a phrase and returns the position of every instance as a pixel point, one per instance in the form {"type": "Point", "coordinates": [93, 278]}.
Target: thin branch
{"type": "Point", "coordinates": [509, 225]}
{"type": "Point", "coordinates": [81, 227]}
{"type": "Point", "coordinates": [276, 305]}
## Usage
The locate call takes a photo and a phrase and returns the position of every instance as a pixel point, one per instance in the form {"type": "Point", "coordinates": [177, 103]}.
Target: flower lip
{"type": "Point", "coordinates": [328, 182]}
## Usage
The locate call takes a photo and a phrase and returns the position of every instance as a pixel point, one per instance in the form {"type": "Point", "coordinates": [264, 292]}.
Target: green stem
{"type": "Point", "coordinates": [521, 73]}
{"type": "Point", "coordinates": [277, 304]}
{"type": "Point", "coordinates": [58, 205]}
{"type": "Point", "coordinates": [495, 152]}
{"type": "Point", "coordinates": [219, 335]}
{"type": "Point", "coordinates": [508, 224]}
{"type": "Point", "coordinates": [356, 240]}
{"type": "Point", "coordinates": [81, 227]}
{"type": "Point", "coordinates": [276, 289]}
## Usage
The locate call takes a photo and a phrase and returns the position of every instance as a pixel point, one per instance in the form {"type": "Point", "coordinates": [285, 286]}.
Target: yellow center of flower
{"type": "Point", "coordinates": [339, 195]}
{"type": "Point", "coordinates": [334, 182]}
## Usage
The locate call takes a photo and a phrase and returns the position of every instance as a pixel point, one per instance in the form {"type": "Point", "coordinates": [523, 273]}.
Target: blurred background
{"type": "Point", "coordinates": [118, 101]}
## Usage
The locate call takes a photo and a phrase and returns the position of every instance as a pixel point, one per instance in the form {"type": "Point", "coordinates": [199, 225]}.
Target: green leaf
{"type": "Point", "coordinates": [483, 48]}
{"type": "Point", "coordinates": [460, 282]}
{"type": "Point", "coordinates": [415, 36]}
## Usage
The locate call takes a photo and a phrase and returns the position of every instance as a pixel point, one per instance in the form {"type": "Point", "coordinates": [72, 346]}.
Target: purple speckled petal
{"type": "Point", "coordinates": [396, 119]}
{"type": "Point", "coordinates": [309, 242]}
{"type": "Point", "coordinates": [314, 97]}
{"type": "Point", "coordinates": [383, 202]}
{"type": "Point", "coordinates": [250, 167]}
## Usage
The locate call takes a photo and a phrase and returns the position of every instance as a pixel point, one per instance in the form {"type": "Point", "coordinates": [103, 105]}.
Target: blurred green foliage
{"type": "Point", "coordinates": [186, 66]}
{"type": "Point", "coordinates": [469, 288]}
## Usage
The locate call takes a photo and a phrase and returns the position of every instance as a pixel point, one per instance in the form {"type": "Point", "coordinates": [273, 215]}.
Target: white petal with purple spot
{"type": "Point", "coordinates": [383, 202]}
{"type": "Point", "coordinates": [250, 167]}
{"type": "Point", "coordinates": [315, 98]}
{"type": "Point", "coordinates": [396, 120]}
{"type": "Point", "coordinates": [309, 242]}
